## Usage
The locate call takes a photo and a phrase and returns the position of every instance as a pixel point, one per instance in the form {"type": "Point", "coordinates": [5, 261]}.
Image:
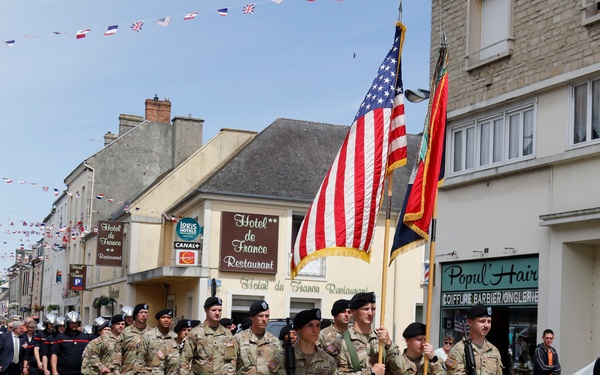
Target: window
{"type": "Point", "coordinates": [315, 268]}
{"type": "Point", "coordinates": [590, 12]}
{"type": "Point", "coordinates": [502, 137]}
{"type": "Point", "coordinates": [586, 112]}
{"type": "Point", "coordinates": [489, 31]}
{"type": "Point", "coordinates": [299, 304]}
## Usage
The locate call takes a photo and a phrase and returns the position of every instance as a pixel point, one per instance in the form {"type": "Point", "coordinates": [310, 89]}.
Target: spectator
{"type": "Point", "coordinates": [545, 357]}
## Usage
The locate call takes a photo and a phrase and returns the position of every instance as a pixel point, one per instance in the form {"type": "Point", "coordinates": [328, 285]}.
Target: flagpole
{"type": "Point", "coordinates": [430, 282]}
{"type": "Point", "coordinates": [386, 256]}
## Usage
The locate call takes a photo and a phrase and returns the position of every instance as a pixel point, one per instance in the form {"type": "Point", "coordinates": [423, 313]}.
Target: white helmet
{"type": "Point", "coordinates": [60, 321]}
{"type": "Point", "coordinates": [88, 329]}
{"type": "Point", "coordinates": [73, 317]}
{"type": "Point", "coordinates": [127, 311]}
{"type": "Point", "coordinates": [49, 318]}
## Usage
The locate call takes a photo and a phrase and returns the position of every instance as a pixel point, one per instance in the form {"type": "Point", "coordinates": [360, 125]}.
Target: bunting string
{"type": "Point", "coordinates": [139, 25]}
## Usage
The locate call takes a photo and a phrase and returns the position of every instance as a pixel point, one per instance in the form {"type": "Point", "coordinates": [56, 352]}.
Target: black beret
{"type": "Point", "coordinates": [226, 322]}
{"type": "Point", "coordinates": [258, 306]}
{"type": "Point", "coordinates": [195, 323]}
{"type": "Point", "coordinates": [117, 319]}
{"type": "Point", "coordinates": [284, 332]}
{"type": "Point", "coordinates": [303, 317]}
{"type": "Point", "coordinates": [413, 330]}
{"type": "Point", "coordinates": [361, 299]}
{"type": "Point", "coordinates": [246, 323]}
{"type": "Point", "coordinates": [162, 312]}
{"type": "Point", "coordinates": [211, 301]}
{"type": "Point", "coordinates": [340, 306]}
{"type": "Point", "coordinates": [183, 323]}
{"type": "Point", "coordinates": [479, 310]}
{"type": "Point", "coordinates": [139, 307]}
{"type": "Point", "coordinates": [326, 323]}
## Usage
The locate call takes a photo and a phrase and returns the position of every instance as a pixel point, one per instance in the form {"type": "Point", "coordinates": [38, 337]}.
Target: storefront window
{"type": "Point", "coordinates": [510, 286]}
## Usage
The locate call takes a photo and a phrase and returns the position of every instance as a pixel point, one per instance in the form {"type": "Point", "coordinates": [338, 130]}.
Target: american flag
{"type": "Point", "coordinates": [460, 323]}
{"type": "Point", "coordinates": [248, 8]}
{"type": "Point", "coordinates": [342, 216]}
{"type": "Point", "coordinates": [164, 21]}
{"type": "Point", "coordinates": [137, 26]}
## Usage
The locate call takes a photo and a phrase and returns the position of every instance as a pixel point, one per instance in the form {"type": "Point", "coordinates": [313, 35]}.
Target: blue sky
{"type": "Point", "coordinates": [302, 60]}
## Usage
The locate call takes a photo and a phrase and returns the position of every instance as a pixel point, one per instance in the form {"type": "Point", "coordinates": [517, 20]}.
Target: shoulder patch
{"type": "Point", "coordinates": [450, 363]}
{"type": "Point", "coordinates": [332, 349]}
{"type": "Point", "coordinates": [273, 365]}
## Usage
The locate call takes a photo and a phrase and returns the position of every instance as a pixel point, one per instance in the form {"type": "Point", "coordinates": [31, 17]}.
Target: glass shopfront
{"type": "Point", "coordinates": [510, 287]}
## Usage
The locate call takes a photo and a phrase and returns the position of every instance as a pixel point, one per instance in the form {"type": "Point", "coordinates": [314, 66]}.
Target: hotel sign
{"type": "Point", "coordinates": [109, 249]}
{"type": "Point", "coordinates": [249, 242]}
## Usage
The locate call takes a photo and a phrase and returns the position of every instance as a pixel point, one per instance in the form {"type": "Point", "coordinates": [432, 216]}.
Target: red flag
{"type": "Point", "coordinates": [342, 216]}
{"type": "Point", "coordinates": [421, 194]}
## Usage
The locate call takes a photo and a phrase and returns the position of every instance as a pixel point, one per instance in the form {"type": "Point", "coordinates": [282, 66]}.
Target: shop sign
{"type": "Point", "coordinates": [497, 274]}
{"type": "Point", "coordinates": [186, 258]}
{"type": "Point", "coordinates": [505, 297]}
{"type": "Point", "coordinates": [77, 275]}
{"type": "Point", "coordinates": [250, 283]}
{"type": "Point", "coordinates": [109, 248]}
{"type": "Point", "coordinates": [187, 245]}
{"type": "Point", "coordinates": [249, 242]}
{"type": "Point", "coordinates": [188, 229]}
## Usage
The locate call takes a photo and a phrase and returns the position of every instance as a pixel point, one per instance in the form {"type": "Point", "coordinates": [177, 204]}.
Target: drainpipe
{"type": "Point", "coordinates": [91, 195]}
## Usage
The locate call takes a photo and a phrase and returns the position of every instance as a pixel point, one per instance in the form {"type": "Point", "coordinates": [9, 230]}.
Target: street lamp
{"type": "Point", "coordinates": [416, 96]}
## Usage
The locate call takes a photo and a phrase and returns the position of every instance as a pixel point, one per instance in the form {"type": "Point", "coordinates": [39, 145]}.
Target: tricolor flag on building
{"type": "Point", "coordinates": [421, 194]}
{"type": "Point", "coordinates": [190, 16]}
{"type": "Point", "coordinates": [342, 217]}
{"type": "Point", "coordinates": [82, 33]}
{"type": "Point", "coordinates": [222, 11]}
{"type": "Point", "coordinates": [111, 30]}
{"type": "Point", "coordinates": [99, 196]}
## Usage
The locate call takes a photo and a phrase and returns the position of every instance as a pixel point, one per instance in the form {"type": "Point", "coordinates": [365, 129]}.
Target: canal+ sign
{"type": "Point", "coordinates": [188, 229]}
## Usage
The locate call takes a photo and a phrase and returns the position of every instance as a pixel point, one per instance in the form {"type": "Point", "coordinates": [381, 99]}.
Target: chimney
{"type": "Point", "coordinates": [158, 110]}
{"type": "Point", "coordinates": [128, 122]}
{"type": "Point", "coordinates": [109, 138]}
{"type": "Point", "coordinates": [187, 137]}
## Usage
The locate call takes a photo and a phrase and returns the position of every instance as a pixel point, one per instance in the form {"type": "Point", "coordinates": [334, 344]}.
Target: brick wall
{"type": "Point", "coordinates": [549, 40]}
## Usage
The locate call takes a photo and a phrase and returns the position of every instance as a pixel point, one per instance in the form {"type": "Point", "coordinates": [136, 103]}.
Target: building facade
{"type": "Point", "coordinates": [522, 153]}
{"type": "Point", "coordinates": [224, 222]}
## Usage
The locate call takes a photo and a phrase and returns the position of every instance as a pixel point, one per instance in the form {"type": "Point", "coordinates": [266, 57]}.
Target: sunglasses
{"type": "Point", "coordinates": [447, 343]}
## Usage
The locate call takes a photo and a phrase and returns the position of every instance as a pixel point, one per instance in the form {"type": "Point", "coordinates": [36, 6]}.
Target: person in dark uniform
{"type": "Point", "coordinates": [67, 349]}
{"type": "Point", "coordinates": [29, 362]}
{"type": "Point", "coordinates": [41, 350]}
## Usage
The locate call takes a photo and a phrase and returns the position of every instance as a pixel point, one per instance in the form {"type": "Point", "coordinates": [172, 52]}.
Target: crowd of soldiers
{"type": "Point", "coordinates": [126, 345]}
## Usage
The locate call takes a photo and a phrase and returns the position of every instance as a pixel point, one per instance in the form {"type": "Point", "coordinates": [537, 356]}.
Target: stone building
{"type": "Point", "coordinates": [518, 217]}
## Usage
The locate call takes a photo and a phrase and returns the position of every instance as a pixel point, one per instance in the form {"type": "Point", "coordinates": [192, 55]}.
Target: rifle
{"type": "Point", "coordinates": [470, 366]}
{"type": "Point", "coordinates": [290, 356]}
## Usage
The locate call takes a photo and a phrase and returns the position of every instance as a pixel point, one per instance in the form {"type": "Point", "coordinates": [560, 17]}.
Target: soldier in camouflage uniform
{"type": "Point", "coordinates": [97, 358]}
{"type": "Point", "coordinates": [205, 347]}
{"type": "Point", "coordinates": [156, 341]}
{"type": "Point", "coordinates": [310, 358]}
{"type": "Point", "coordinates": [255, 349]}
{"type": "Point", "coordinates": [365, 342]}
{"type": "Point", "coordinates": [91, 364]}
{"type": "Point", "coordinates": [487, 356]}
{"type": "Point", "coordinates": [341, 318]}
{"type": "Point", "coordinates": [413, 357]}
{"type": "Point", "coordinates": [172, 363]}
{"type": "Point", "coordinates": [128, 357]}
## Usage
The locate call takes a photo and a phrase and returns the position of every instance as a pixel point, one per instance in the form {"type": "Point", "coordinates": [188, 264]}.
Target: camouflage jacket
{"type": "Point", "coordinates": [128, 356]}
{"type": "Point", "coordinates": [98, 354]}
{"type": "Point", "coordinates": [408, 367]}
{"type": "Point", "coordinates": [367, 350]}
{"type": "Point", "coordinates": [327, 335]}
{"type": "Point", "coordinates": [320, 364]}
{"type": "Point", "coordinates": [255, 356]}
{"type": "Point", "coordinates": [205, 350]}
{"type": "Point", "coordinates": [487, 359]}
{"type": "Point", "coordinates": [154, 348]}
{"type": "Point", "coordinates": [172, 363]}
